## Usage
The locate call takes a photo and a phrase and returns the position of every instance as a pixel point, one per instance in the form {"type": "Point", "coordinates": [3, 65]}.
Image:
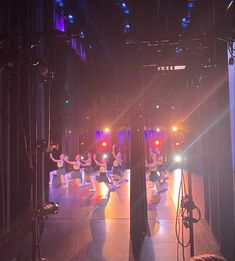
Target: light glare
{"type": "Point", "coordinates": [105, 156]}
{"type": "Point", "coordinates": [174, 128]}
{"type": "Point", "coordinates": [104, 143]}
{"type": "Point", "coordinates": [178, 158]}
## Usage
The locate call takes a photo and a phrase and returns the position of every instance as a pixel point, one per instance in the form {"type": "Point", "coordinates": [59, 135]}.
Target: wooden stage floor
{"type": "Point", "coordinates": [95, 226]}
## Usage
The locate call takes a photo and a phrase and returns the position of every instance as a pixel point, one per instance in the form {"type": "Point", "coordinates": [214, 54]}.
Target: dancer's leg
{"type": "Point", "coordinates": [66, 179]}
{"type": "Point", "coordinates": [92, 178]}
{"type": "Point", "coordinates": [52, 173]}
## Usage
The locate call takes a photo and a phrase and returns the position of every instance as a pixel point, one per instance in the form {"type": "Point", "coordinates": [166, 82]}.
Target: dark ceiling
{"type": "Point", "coordinates": [157, 35]}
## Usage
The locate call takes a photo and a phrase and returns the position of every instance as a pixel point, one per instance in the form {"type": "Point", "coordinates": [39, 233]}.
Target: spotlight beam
{"type": "Point", "coordinates": [206, 97]}
{"type": "Point", "coordinates": [210, 126]}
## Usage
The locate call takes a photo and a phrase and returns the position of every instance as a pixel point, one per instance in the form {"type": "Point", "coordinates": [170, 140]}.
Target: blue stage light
{"type": "Point", "coordinates": [82, 35]}
{"type": "Point", "coordinates": [126, 11]}
{"type": "Point", "coordinates": [70, 18]}
{"type": "Point", "coordinates": [127, 27]}
{"type": "Point", "coordinates": [123, 5]}
{"type": "Point", "coordinates": [178, 50]}
{"type": "Point", "coordinates": [190, 4]}
{"type": "Point", "coordinates": [60, 3]}
{"type": "Point", "coordinates": [184, 22]}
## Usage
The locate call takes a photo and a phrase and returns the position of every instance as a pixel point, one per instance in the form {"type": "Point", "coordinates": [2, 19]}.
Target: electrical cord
{"type": "Point", "coordinates": [179, 227]}
{"type": "Point", "coordinates": [185, 205]}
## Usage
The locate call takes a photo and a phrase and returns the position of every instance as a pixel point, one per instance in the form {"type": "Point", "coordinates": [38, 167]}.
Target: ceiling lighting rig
{"type": "Point", "coordinates": [124, 8]}
{"type": "Point", "coordinates": [186, 20]}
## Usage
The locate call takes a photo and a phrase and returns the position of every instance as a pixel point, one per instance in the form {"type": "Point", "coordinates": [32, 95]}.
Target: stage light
{"type": "Point", "coordinates": [82, 35]}
{"type": "Point", "coordinates": [158, 130]}
{"type": "Point", "coordinates": [127, 27]}
{"type": "Point", "coordinates": [82, 158]}
{"type": "Point", "coordinates": [123, 5]}
{"type": "Point", "coordinates": [82, 143]}
{"type": "Point", "coordinates": [60, 3]}
{"type": "Point", "coordinates": [66, 101]}
{"type": "Point", "coordinates": [190, 4]}
{"type": "Point", "coordinates": [70, 18]}
{"type": "Point", "coordinates": [184, 22]}
{"type": "Point", "coordinates": [178, 158]}
{"type": "Point", "coordinates": [177, 144]}
{"type": "Point", "coordinates": [174, 128]}
{"type": "Point", "coordinates": [70, 131]}
{"type": "Point", "coordinates": [107, 130]}
{"type": "Point", "coordinates": [126, 11]}
{"type": "Point", "coordinates": [157, 106]}
{"type": "Point", "coordinates": [105, 156]}
{"type": "Point", "coordinates": [50, 208]}
{"type": "Point", "coordinates": [178, 50]}
{"type": "Point", "coordinates": [104, 144]}
{"type": "Point", "coordinates": [157, 142]}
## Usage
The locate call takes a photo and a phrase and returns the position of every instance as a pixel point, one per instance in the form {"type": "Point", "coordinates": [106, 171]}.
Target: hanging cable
{"type": "Point", "coordinates": [182, 221]}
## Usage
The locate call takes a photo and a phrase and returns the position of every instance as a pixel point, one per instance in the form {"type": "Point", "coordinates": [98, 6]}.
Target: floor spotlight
{"type": "Point", "coordinates": [50, 208]}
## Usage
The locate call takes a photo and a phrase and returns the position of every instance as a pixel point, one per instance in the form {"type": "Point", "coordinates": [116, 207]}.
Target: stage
{"type": "Point", "coordinates": [95, 226]}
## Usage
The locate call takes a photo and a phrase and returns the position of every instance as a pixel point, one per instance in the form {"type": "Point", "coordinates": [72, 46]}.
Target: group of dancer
{"type": "Point", "coordinates": [84, 172]}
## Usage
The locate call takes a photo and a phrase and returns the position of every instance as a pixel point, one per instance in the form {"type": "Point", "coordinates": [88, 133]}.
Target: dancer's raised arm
{"type": "Point", "coordinates": [97, 162]}
{"type": "Point", "coordinates": [113, 152]}
{"type": "Point", "coordinates": [53, 159]}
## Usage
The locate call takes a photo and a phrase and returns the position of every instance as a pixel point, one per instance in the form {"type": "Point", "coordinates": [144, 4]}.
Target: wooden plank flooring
{"type": "Point", "coordinates": [95, 226]}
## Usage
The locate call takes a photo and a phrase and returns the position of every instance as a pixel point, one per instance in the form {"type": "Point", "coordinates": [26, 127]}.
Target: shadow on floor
{"type": "Point", "coordinates": [98, 232]}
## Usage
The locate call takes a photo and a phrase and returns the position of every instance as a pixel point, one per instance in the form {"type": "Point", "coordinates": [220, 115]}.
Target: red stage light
{"type": "Point", "coordinates": [177, 144]}
{"type": "Point", "coordinates": [157, 142]}
{"type": "Point", "coordinates": [104, 144]}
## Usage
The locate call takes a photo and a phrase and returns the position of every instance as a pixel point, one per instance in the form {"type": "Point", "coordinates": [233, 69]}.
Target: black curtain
{"type": "Point", "coordinates": [22, 118]}
{"type": "Point", "coordinates": [216, 156]}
